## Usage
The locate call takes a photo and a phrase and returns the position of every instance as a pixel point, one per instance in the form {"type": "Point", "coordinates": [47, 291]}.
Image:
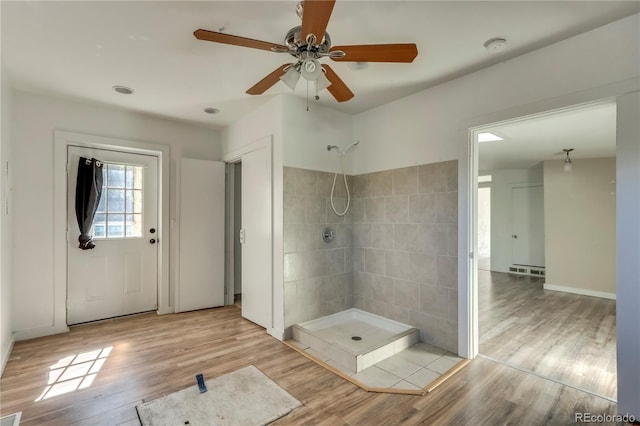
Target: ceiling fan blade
{"type": "Point", "coordinates": [406, 52]}
{"type": "Point", "coordinates": [315, 17]}
{"type": "Point", "coordinates": [264, 84]}
{"type": "Point", "coordinates": [338, 89]}
{"type": "Point", "coordinates": [207, 35]}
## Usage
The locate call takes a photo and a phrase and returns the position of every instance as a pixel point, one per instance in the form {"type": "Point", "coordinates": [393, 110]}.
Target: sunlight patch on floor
{"type": "Point", "coordinates": [74, 372]}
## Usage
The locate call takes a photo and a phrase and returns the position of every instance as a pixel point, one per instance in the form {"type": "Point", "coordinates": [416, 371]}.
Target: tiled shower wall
{"type": "Point", "coordinates": [399, 239]}
{"type": "Point", "coordinates": [405, 248]}
{"type": "Point", "coordinates": [318, 275]}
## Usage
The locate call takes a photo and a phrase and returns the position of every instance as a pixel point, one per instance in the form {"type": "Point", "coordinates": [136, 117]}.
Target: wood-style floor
{"type": "Point", "coordinates": [156, 355]}
{"type": "Point", "coordinates": [566, 337]}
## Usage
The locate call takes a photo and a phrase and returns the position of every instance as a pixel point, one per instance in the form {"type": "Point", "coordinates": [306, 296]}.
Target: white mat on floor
{"type": "Point", "coordinates": [244, 397]}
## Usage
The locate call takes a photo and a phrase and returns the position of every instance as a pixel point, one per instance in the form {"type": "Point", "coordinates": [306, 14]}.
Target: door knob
{"type": "Point", "coordinates": [152, 241]}
{"type": "Point", "coordinates": [152, 230]}
{"type": "Point", "coordinates": [514, 236]}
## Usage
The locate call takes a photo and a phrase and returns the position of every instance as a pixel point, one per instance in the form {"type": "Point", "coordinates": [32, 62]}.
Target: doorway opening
{"type": "Point", "coordinates": [234, 228]}
{"type": "Point", "coordinates": [546, 299]}
{"type": "Point", "coordinates": [484, 222]}
{"type": "Point", "coordinates": [249, 232]}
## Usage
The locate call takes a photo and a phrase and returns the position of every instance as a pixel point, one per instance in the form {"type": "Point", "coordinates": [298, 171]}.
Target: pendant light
{"type": "Point", "coordinates": [567, 164]}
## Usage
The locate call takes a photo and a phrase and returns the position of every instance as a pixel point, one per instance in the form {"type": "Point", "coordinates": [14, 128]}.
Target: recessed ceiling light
{"type": "Point", "coordinates": [488, 137]}
{"type": "Point", "coordinates": [211, 110]}
{"type": "Point", "coordinates": [123, 90]}
{"type": "Point", "coordinates": [495, 45]}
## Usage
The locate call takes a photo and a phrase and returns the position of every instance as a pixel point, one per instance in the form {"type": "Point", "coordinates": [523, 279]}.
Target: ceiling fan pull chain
{"type": "Point", "coordinates": [307, 95]}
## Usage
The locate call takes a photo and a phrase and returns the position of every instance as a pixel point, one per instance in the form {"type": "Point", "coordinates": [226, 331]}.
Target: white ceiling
{"type": "Point", "coordinates": [590, 130]}
{"type": "Point", "coordinates": [80, 49]}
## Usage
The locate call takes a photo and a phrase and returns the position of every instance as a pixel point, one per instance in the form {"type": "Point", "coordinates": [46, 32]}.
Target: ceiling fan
{"type": "Point", "coordinates": [310, 42]}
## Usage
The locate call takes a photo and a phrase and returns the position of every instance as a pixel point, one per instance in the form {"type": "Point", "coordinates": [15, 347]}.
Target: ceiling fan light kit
{"type": "Point", "coordinates": [309, 43]}
{"type": "Point", "coordinates": [291, 77]}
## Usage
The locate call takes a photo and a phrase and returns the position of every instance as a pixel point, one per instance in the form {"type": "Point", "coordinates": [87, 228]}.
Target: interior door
{"type": "Point", "coordinates": [202, 187]}
{"type": "Point", "coordinates": [256, 236]}
{"type": "Point", "coordinates": [120, 275]}
{"type": "Point", "coordinates": [528, 225]}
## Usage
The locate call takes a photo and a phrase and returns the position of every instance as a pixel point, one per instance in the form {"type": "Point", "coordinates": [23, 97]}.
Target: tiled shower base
{"type": "Point", "coordinates": [386, 357]}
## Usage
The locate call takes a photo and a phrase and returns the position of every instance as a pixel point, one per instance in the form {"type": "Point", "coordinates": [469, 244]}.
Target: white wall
{"type": "Point", "coordinates": [34, 121]}
{"type": "Point", "coordinates": [307, 134]}
{"type": "Point", "coordinates": [426, 127]}
{"type": "Point", "coordinates": [580, 226]}
{"type": "Point", "coordinates": [265, 121]}
{"type": "Point", "coordinates": [628, 249]}
{"type": "Point", "coordinates": [6, 238]}
{"type": "Point", "coordinates": [502, 182]}
{"type": "Point", "coordinates": [300, 139]}
{"type": "Point", "coordinates": [433, 125]}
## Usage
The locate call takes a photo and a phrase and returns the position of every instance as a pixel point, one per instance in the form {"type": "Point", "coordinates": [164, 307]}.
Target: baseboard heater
{"type": "Point", "coordinates": [535, 271]}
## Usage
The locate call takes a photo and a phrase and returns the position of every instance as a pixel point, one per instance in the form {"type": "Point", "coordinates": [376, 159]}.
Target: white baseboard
{"type": "Point", "coordinates": [581, 291]}
{"type": "Point", "coordinates": [6, 353]}
{"type": "Point", "coordinates": [32, 333]}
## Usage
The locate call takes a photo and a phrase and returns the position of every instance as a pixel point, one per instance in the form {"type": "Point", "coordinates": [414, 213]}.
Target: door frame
{"type": "Point", "coordinates": [512, 187]}
{"type": "Point", "coordinates": [62, 140]}
{"type": "Point", "coordinates": [275, 309]}
{"type": "Point", "coordinates": [468, 333]}
{"type": "Point", "coordinates": [469, 339]}
{"type": "Point", "coordinates": [229, 232]}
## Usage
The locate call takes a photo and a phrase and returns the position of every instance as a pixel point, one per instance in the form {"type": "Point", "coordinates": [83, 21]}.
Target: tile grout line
{"type": "Point", "coordinates": [524, 370]}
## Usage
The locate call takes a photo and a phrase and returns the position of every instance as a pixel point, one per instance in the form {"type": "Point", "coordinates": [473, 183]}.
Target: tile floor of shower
{"type": "Point", "coordinates": [385, 354]}
{"type": "Point", "coordinates": [413, 368]}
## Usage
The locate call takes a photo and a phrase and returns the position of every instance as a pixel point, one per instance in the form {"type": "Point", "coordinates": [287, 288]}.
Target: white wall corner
{"type": "Point", "coordinates": [628, 253]}
{"type": "Point", "coordinates": [6, 352]}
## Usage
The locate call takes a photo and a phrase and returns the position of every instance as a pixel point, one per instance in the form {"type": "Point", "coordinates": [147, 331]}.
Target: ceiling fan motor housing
{"type": "Point", "coordinates": [297, 44]}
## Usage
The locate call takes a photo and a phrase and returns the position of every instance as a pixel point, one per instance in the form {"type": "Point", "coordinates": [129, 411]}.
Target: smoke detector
{"type": "Point", "coordinates": [124, 90]}
{"type": "Point", "coordinates": [496, 45]}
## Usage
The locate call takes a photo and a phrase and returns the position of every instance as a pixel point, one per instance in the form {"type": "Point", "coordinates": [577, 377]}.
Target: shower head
{"type": "Point", "coordinates": [340, 152]}
{"type": "Point", "coordinates": [349, 147]}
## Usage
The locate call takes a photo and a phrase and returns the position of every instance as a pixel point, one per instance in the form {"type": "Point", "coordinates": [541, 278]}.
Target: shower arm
{"type": "Point", "coordinates": [340, 152]}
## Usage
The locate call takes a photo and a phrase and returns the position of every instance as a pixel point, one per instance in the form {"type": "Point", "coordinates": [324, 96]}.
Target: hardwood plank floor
{"type": "Point", "coordinates": [566, 337]}
{"type": "Point", "coordinates": [155, 355]}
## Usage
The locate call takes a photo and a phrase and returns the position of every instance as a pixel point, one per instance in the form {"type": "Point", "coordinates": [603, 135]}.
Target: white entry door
{"type": "Point", "coordinates": [256, 236]}
{"type": "Point", "coordinates": [528, 226]}
{"type": "Point", "coordinates": [120, 275]}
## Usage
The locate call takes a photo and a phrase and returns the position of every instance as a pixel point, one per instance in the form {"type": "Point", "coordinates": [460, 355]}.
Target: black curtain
{"type": "Point", "coordinates": [88, 193]}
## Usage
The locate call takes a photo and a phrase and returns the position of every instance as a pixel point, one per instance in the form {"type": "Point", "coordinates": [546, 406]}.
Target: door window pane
{"type": "Point", "coordinates": [137, 201]}
{"type": "Point", "coordinates": [115, 226]}
{"type": "Point", "coordinates": [115, 200]}
{"type": "Point", "coordinates": [119, 213]}
{"type": "Point", "coordinates": [102, 206]}
{"type": "Point", "coordinates": [134, 225]}
{"type": "Point", "coordinates": [134, 177]}
{"type": "Point", "coordinates": [115, 176]}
